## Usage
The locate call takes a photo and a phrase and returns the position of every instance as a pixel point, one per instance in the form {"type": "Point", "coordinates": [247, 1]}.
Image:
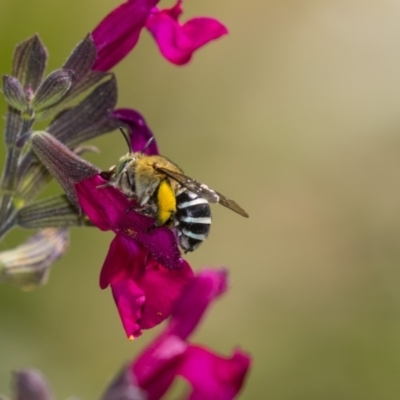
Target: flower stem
{"type": "Point", "coordinates": [7, 225]}
{"type": "Point", "coordinates": [9, 181]}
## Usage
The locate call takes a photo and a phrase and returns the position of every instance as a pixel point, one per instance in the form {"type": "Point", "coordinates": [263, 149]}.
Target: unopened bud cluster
{"type": "Point", "coordinates": [34, 157]}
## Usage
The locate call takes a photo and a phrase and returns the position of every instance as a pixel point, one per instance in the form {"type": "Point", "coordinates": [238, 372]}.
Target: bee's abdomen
{"type": "Point", "coordinates": [192, 219]}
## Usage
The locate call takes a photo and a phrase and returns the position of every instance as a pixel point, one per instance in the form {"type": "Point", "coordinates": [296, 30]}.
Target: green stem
{"type": "Point", "coordinates": [9, 181]}
{"type": "Point", "coordinates": [8, 224]}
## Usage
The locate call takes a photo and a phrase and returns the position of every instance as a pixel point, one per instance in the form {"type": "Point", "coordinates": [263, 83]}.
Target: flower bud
{"type": "Point", "coordinates": [30, 385]}
{"type": "Point", "coordinates": [123, 387]}
{"type": "Point", "coordinates": [28, 265]}
{"type": "Point", "coordinates": [14, 93]}
{"type": "Point", "coordinates": [52, 89]}
{"type": "Point", "coordinates": [29, 62]}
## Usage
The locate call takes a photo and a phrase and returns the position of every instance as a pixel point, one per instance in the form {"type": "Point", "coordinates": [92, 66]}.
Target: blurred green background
{"type": "Point", "coordinates": [295, 115]}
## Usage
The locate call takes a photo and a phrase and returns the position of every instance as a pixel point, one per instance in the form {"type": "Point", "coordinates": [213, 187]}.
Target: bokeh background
{"type": "Point", "coordinates": [296, 116]}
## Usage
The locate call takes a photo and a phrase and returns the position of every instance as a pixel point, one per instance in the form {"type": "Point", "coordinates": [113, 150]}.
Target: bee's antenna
{"type": "Point", "coordinates": [148, 143]}
{"type": "Point", "coordinates": [126, 137]}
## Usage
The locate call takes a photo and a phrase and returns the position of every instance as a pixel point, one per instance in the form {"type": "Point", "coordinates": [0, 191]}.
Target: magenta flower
{"type": "Point", "coordinates": [176, 42]}
{"type": "Point", "coordinates": [211, 376]}
{"type": "Point", "coordinates": [118, 33]}
{"type": "Point", "coordinates": [143, 267]}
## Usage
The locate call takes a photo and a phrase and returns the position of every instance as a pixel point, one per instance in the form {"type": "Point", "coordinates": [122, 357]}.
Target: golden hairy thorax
{"type": "Point", "coordinates": [138, 177]}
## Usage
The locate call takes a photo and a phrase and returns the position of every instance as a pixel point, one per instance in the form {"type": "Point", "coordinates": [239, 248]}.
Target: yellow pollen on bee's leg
{"type": "Point", "coordinates": [166, 202]}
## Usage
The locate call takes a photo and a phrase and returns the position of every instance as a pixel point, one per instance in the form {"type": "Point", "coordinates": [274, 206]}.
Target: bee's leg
{"type": "Point", "coordinates": [104, 185]}
{"type": "Point", "coordinates": [147, 210]}
{"type": "Point", "coordinates": [137, 208]}
{"type": "Point", "coordinates": [152, 227]}
{"type": "Point", "coordinates": [170, 223]}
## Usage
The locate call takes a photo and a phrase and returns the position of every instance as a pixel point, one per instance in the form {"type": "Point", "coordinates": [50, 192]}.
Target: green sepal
{"type": "Point", "coordinates": [90, 118]}
{"type": "Point", "coordinates": [65, 166]}
{"type": "Point", "coordinates": [34, 176]}
{"type": "Point", "coordinates": [28, 265]}
{"type": "Point", "coordinates": [29, 62]}
{"type": "Point", "coordinates": [80, 62]}
{"type": "Point", "coordinates": [53, 212]}
{"type": "Point", "coordinates": [14, 93]}
{"type": "Point", "coordinates": [52, 90]}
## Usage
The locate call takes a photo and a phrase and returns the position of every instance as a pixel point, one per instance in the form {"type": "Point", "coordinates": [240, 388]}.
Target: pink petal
{"type": "Point", "coordinates": [140, 133]}
{"type": "Point", "coordinates": [155, 370]}
{"type": "Point", "coordinates": [144, 290]}
{"type": "Point", "coordinates": [118, 33]}
{"type": "Point", "coordinates": [129, 300]}
{"type": "Point", "coordinates": [212, 376]}
{"type": "Point", "coordinates": [123, 259]}
{"type": "Point", "coordinates": [176, 42]}
{"type": "Point", "coordinates": [195, 299]}
{"type": "Point", "coordinates": [162, 287]}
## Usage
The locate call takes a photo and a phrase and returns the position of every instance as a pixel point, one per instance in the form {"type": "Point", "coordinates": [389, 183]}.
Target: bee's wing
{"type": "Point", "coordinates": [232, 205]}
{"type": "Point", "coordinates": [203, 190]}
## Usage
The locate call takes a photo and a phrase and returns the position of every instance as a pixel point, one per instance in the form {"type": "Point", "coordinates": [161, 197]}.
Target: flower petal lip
{"type": "Point", "coordinates": [220, 378]}
{"type": "Point", "coordinates": [144, 290]}
{"type": "Point", "coordinates": [201, 290]}
{"type": "Point", "coordinates": [139, 132]}
{"type": "Point", "coordinates": [211, 376]}
{"type": "Point", "coordinates": [118, 33]}
{"type": "Point", "coordinates": [197, 296]}
{"type": "Point", "coordinates": [177, 42]}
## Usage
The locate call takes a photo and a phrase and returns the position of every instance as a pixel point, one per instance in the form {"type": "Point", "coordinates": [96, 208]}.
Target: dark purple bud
{"type": "Point", "coordinates": [81, 61]}
{"type": "Point", "coordinates": [124, 387]}
{"type": "Point", "coordinates": [30, 385]}
{"type": "Point", "coordinates": [82, 58]}
{"type": "Point", "coordinates": [30, 62]}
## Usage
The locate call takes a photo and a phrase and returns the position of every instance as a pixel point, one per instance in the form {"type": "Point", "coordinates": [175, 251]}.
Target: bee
{"type": "Point", "coordinates": [162, 191]}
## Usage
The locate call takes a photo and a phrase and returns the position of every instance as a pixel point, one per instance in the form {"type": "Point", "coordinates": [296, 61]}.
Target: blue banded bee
{"type": "Point", "coordinates": [163, 192]}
